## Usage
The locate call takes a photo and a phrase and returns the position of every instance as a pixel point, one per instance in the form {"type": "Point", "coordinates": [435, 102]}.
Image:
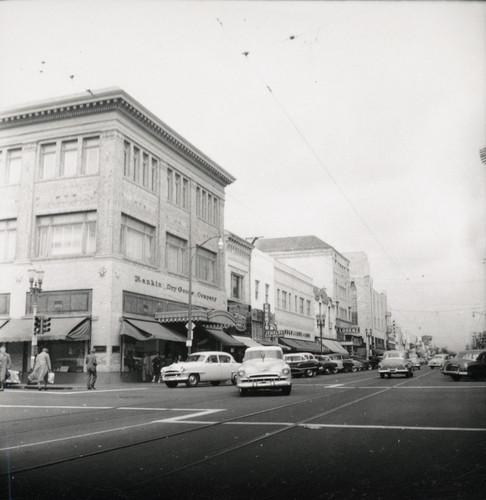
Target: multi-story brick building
{"type": "Point", "coordinates": [111, 204]}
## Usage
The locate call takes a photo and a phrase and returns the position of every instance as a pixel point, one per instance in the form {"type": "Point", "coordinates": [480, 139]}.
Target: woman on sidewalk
{"type": "Point", "coordinates": [42, 367]}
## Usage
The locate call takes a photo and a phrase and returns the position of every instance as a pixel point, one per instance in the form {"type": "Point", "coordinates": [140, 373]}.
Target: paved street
{"type": "Point", "coordinates": [337, 437]}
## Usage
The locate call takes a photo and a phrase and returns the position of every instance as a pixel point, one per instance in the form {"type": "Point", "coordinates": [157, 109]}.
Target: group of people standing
{"type": "Point", "coordinates": [151, 366]}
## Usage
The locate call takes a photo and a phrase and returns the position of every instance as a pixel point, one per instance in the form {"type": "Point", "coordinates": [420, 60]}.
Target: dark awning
{"type": "Point", "coordinates": [301, 345]}
{"type": "Point", "coordinates": [224, 338]}
{"type": "Point", "coordinates": [146, 330]}
{"type": "Point", "coordinates": [20, 330]}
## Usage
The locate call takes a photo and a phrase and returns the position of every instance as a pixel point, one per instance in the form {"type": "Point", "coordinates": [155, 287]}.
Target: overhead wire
{"type": "Point", "coordinates": [319, 161]}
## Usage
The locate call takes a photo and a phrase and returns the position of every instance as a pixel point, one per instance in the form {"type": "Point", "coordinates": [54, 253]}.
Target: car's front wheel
{"type": "Point", "coordinates": [370, 368]}
{"type": "Point", "coordinates": [171, 385]}
{"type": "Point", "coordinates": [309, 373]}
{"type": "Point", "coordinates": [193, 380]}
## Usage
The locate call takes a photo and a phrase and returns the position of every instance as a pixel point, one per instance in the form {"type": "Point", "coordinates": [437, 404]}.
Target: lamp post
{"type": "Point", "coordinates": [320, 321]}
{"type": "Point", "coordinates": [189, 303]}
{"type": "Point", "coordinates": [36, 277]}
{"type": "Point", "coordinates": [369, 334]}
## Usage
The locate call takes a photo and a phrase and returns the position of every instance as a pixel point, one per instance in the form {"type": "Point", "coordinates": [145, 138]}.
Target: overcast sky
{"type": "Point", "coordinates": [360, 123]}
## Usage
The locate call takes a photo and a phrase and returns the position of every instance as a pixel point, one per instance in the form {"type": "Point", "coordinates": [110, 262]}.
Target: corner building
{"type": "Point", "coordinates": [111, 204]}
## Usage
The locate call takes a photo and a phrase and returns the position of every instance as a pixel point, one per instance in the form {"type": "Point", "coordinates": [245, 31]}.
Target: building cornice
{"type": "Point", "coordinates": [112, 100]}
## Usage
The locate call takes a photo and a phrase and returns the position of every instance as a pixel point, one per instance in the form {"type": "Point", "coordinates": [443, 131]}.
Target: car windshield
{"type": "Point", "coordinates": [394, 355]}
{"type": "Point", "coordinates": [263, 354]}
{"type": "Point", "coordinates": [195, 357]}
{"type": "Point", "coordinates": [468, 355]}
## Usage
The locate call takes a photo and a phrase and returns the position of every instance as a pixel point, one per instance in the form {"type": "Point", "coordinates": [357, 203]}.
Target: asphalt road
{"type": "Point", "coordinates": [343, 436]}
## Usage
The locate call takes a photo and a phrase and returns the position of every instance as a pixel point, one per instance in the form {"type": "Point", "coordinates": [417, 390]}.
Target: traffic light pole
{"type": "Point", "coordinates": [36, 277]}
{"type": "Point", "coordinates": [33, 350]}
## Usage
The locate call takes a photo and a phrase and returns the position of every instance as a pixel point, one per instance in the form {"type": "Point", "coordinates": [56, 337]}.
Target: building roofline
{"type": "Point", "coordinates": [110, 99]}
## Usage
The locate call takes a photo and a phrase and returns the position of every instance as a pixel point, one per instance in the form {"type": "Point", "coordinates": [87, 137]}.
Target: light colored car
{"type": "Point", "coordinates": [438, 360]}
{"type": "Point", "coordinates": [212, 366]}
{"type": "Point", "coordinates": [395, 363]}
{"type": "Point", "coordinates": [416, 361]}
{"type": "Point", "coordinates": [264, 368]}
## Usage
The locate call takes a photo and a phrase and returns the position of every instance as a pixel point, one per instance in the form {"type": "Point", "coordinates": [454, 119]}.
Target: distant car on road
{"type": "Point", "coordinates": [212, 366]}
{"type": "Point", "coordinates": [301, 365]}
{"type": "Point", "coordinates": [264, 368]}
{"type": "Point", "coordinates": [395, 363]}
{"type": "Point", "coordinates": [366, 364]}
{"type": "Point", "coordinates": [343, 361]}
{"type": "Point", "coordinates": [438, 360]}
{"type": "Point", "coordinates": [470, 363]}
{"type": "Point", "coordinates": [326, 365]}
{"type": "Point", "coordinates": [416, 361]}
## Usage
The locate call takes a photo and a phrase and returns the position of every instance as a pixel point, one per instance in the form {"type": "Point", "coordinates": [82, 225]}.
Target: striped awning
{"type": "Point", "coordinates": [249, 342]}
{"type": "Point", "coordinates": [20, 330]}
{"type": "Point", "coordinates": [147, 330]}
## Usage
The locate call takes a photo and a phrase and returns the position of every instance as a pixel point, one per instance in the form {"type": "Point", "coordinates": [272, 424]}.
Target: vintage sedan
{"type": "Point", "coordinates": [326, 365]}
{"type": "Point", "coordinates": [366, 364]}
{"type": "Point", "coordinates": [438, 360]}
{"type": "Point", "coordinates": [416, 361]}
{"type": "Point", "coordinates": [395, 363]}
{"type": "Point", "coordinates": [345, 364]}
{"type": "Point", "coordinates": [264, 368]}
{"type": "Point", "coordinates": [212, 366]}
{"type": "Point", "coordinates": [470, 363]}
{"type": "Point", "coordinates": [301, 365]}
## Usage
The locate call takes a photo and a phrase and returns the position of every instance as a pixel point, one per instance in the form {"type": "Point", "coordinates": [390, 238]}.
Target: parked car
{"type": "Point", "coordinates": [438, 360]}
{"type": "Point", "coordinates": [366, 364]}
{"type": "Point", "coordinates": [470, 363]}
{"type": "Point", "coordinates": [264, 368]}
{"type": "Point", "coordinates": [395, 363]}
{"type": "Point", "coordinates": [343, 361]}
{"type": "Point", "coordinates": [326, 365]}
{"type": "Point", "coordinates": [300, 365]}
{"type": "Point", "coordinates": [375, 361]}
{"type": "Point", "coordinates": [416, 361]}
{"type": "Point", "coordinates": [212, 366]}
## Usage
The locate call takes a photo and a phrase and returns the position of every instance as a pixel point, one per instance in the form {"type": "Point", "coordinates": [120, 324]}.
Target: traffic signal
{"type": "Point", "coordinates": [46, 325]}
{"type": "Point", "coordinates": [37, 325]}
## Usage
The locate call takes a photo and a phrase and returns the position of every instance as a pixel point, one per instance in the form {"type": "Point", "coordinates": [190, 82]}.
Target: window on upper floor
{"type": "Point", "coordinates": [176, 254]}
{"type": "Point", "coordinates": [257, 289]}
{"type": "Point", "coordinates": [4, 303]}
{"type": "Point", "coordinates": [267, 293]}
{"type": "Point", "coordinates": [301, 305]}
{"type": "Point", "coordinates": [308, 308]}
{"type": "Point", "coordinates": [177, 188]}
{"type": "Point", "coordinates": [10, 166]}
{"type": "Point", "coordinates": [284, 299]}
{"type": "Point", "coordinates": [140, 166]}
{"type": "Point", "coordinates": [207, 206]}
{"type": "Point", "coordinates": [66, 234]}
{"type": "Point", "coordinates": [236, 286]}
{"type": "Point", "coordinates": [206, 265]}
{"type": "Point", "coordinates": [8, 237]}
{"type": "Point", "coordinates": [137, 240]}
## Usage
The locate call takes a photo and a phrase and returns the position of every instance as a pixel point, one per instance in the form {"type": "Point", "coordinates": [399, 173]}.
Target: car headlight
{"type": "Point", "coordinates": [241, 373]}
{"type": "Point", "coordinates": [181, 369]}
{"type": "Point", "coordinates": [286, 370]}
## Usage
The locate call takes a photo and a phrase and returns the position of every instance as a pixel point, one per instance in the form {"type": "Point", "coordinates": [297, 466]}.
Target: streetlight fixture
{"type": "Point", "coordinates": [189, 303]}
{"type": "Point", "coordinates": [36, 277]}
{"type": "Point", "coordinates": [320, 321]}
{"type": "Point", "coordinates": [369, 336]}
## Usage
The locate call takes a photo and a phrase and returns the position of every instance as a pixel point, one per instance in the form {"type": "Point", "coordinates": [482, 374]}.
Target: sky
{"type": "Point", "coordinates": [357, 122]}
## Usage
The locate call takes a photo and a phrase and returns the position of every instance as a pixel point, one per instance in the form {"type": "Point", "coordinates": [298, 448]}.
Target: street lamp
{"type": "Point", "coordinates": [36, 277]}
{"type": "Point", "coordinates": [189, 303]}
{"type": "Point", "coordinates": [320, 321]}
{"type": "Point", "coordinates": [369, 336]}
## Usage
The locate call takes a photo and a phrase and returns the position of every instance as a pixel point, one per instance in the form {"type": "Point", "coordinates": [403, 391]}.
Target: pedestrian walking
{"type": "Point", "coordinates": [5, 363]}
{"type": "Point", "coordinates": [146, 368]}
{"type": "Point", "coordinates": [42, 367]}
{"type": "Point", "coordinates": [91, 363]}
{"type": "Point", "coordinates": [157, 365]}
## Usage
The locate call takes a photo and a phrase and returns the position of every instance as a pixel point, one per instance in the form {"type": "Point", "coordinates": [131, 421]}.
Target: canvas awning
{"type": "Point", "coordinates": [146, 330]}
{"type": "Point", "coordinates": [20, 330]}
{"type": "Point", "coordinates": [224, 338]}
{"type": "Point", "coordinates": [249, 342]}
{"type": "Point", "coordinates": [333, 346]}
{"type": "Point", "coordinates": [301, 345]}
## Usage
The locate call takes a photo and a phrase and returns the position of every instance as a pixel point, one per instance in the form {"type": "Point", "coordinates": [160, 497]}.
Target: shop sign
{"type": "Point", "coordinates": [348, 329]}
{"type": "Point", "coordinates": [266, 318]}
{"type": "Point", "coordinates": [173, 289]}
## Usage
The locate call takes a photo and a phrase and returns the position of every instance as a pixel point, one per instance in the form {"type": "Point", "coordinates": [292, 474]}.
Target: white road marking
{"type": "Point", "coordinates": [435, 387]}
{"type": "Point", "coordinates": [393, 427]}
{"type": "Point", "coordinates": [84, 407]}
{"type": "Point", "coordinates": [185, 418]}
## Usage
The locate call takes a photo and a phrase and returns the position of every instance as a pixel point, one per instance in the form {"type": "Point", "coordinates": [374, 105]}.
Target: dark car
{"type": "Point", "coordinates": [326, 365]}
{"type": "Point", "coordinates": [375, 361]}
{"type": "Point", "coordinates": [470, 363]}
{"type": "Point", "coordinates": [300, 365]}
{"type": "Point", "coordinates": [343, 361]}
{"type": "Point", "coordinates": [366, 363]}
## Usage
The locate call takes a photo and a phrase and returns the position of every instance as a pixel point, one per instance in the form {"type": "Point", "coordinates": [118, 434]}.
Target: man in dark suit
{"type": "Point", "coordinates": [91, 363]}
